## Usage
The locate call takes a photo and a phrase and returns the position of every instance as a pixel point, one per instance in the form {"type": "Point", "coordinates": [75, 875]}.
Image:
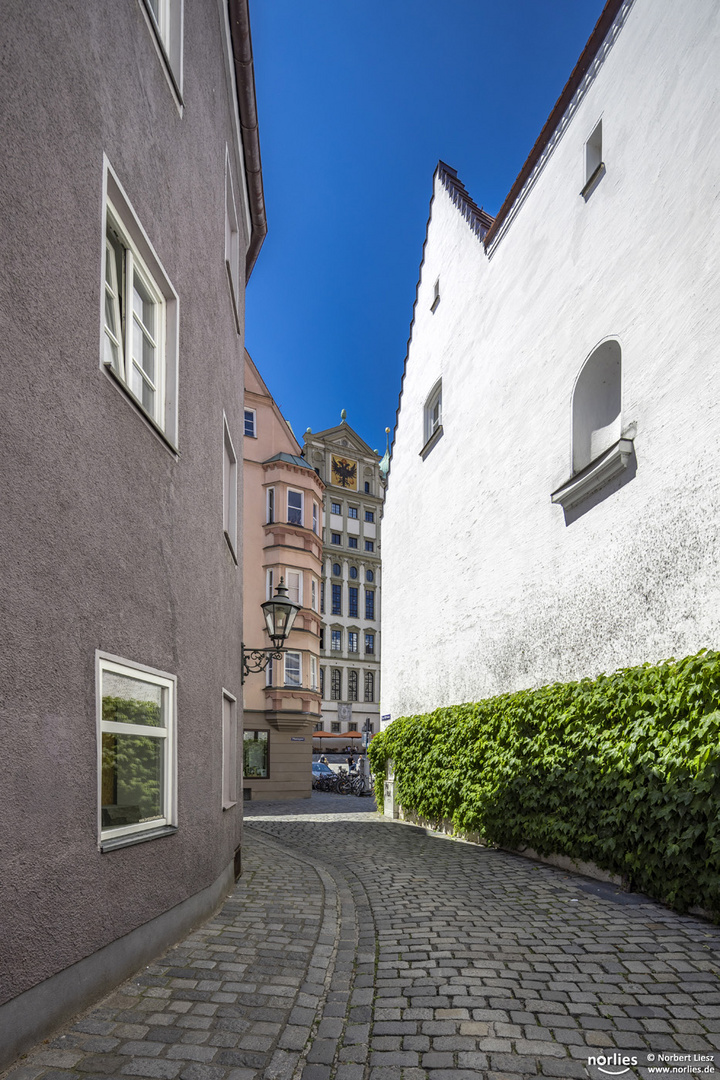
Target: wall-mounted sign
{"type": "Point", "coordinates": [297, 738]}
{"type": "Point", "coordinates": [384, 718]}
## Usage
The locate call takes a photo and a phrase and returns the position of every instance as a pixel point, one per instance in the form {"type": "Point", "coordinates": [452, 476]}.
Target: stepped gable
{"type": "Point", "coordinates": [477, 219]}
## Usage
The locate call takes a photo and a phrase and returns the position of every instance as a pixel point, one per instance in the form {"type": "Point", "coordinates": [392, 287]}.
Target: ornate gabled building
{"type": "Point", "coordinates": [282, 515]}
{"type": "Point", "coordinates": [351, 579]}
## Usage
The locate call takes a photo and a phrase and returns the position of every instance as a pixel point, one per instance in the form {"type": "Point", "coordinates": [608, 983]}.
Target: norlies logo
{"type": "Point", "coordinates": [614, 1064]}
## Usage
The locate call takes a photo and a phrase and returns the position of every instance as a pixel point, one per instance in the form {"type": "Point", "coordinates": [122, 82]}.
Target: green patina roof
{"type": "Point", "coordinates": [291, 459]}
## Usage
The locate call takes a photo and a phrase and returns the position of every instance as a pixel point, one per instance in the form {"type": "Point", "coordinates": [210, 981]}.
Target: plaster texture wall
{"type": "Point", "coordinates": [110, 541]}
{"type": "Point", "coordinates": [488, 586]}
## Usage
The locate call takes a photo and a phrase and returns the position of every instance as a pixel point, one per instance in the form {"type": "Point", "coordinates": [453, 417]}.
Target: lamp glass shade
{"type": "Point", "coordinates": [280, 613]}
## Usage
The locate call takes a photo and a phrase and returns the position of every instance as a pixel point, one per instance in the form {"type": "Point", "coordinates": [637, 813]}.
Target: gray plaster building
{"type": "Point", "coordinates": [132, 214]}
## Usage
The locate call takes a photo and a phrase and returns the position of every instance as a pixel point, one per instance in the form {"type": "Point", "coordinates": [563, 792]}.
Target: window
{"type": "Point", "coordinates": [313, 594]}
{"type": "Point", "coordinates": [294, 581]}
{"type": "Point", "coordinates": [436, 295]}
{"type": "Point", "coordinates": [353, 572]}
{"type": "Point", "coordinates": [352, 685]}
{"type": "Point", "coordinates": [166, 19]}
{"type": "Point", "coordinates": [250, 417]}
{"type": "Point", "coordinates": [353, 601]}
{"type": "Point", "coordinates": [322, 688]}
{"type": "Point", "coordinates": [369, 576]}
{"type": "Point", "coordinates": [335, 684]}
{"type": "Point", "coordinates": [139, 315]}
{"type": "Point", "coordinates": [270, 505]}
{"type": "Point", "coordinates": [433, 413]}
{"type": "Point", "coordinates": [269, 580]}
{"type": "Point", "coordinates": [335, 538]}
{"type": "Point", "coordinates": [597, 401]}
{"type": "Point", "coordinates": [336, 640]}
{"type": "Point", "coordinates": [352, 641]}
{"type": "Point", "coordinates": [369, 686]}
{"type": "Point", "coordinates": [367, 487]}
{"type": "Point", "coordinates": [370, 515]}
{"type": "Point", "coordinates": [229, 491]}
{"type": "Point", "coordinates": [336, 600]}
{"type": "Point", "coordinates": [293, 669]}
{"type": "Point", "coordinates": [269, 672]}
{"type": "Point", "coordinates": [335, 727]}
{"type": "Point", "coordinates": [318, 726]}
{"type": "Point", "coordinates": [369, 545]}
{"type": "Point", "coordinates": [593, 155]}
{"type": "Point", "coordinates": [136, 730]}
{"type": "Point", "coordinates": [294, 507]}
{"type": "Point", "coordinates": [352, 541]}
{"type": "Point", "coordinates": [229, 751]}
{"type": "Point", "coordinates": [322, 597]}
{"type": "Point", "coordinates": [337, 569]}
{"type": "Point", "coordinates": [369, 604]}
{"type": "Point", "coordinates": [369, 643]}
{"type": "Point", "coordinates": [315, 518]}
{"type": "Point", "coordinates": [335, 508]}
{"type": "Point", "coordinates": [313, 673]}
{"type": "Point", "coordinates": [232, 256]}
{"type": "Point", "coordinates": [322, 637]}
{"type": "Point", "coordinates": [352, 511]}
{"type": "Point", "coordinates": [256, 755]}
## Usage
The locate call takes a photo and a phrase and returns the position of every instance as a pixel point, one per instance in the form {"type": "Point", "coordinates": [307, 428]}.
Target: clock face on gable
{"type": "Point", "coordinates": [344, 473]}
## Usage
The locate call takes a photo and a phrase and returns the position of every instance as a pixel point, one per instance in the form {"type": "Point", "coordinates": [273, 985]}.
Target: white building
{"type": "Point", "coordinates": [350, 590]}
{"type": "Point", "coordinates": [553, 500]}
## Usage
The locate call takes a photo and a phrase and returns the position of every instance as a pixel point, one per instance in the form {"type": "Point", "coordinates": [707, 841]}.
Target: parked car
{"type": "Point", "coordinates": [320, 771]}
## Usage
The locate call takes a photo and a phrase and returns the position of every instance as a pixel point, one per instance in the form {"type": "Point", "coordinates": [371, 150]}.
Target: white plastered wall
{"type": "Point", "coordinates": [487, 589]}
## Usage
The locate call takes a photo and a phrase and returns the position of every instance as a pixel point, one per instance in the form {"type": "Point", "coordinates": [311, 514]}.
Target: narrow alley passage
{"type": "Point", "coordinates": [357, 948]}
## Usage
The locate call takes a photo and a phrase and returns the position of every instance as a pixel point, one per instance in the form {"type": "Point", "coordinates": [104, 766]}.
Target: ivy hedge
{"type": "Point", "coordinates": [622, 771]}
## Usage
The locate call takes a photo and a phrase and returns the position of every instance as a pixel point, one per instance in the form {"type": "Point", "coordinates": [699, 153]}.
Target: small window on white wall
{"type": "Point", "coordinates": [229, 795]}
{"type": "Point", "coordinates": [593, 152]}
{"type": "Point", "coordinates": [229, 490]}
{"type": "Point", "coordinates": [597, 405]}
{"type": "Point", "coordinates": [432, 418]}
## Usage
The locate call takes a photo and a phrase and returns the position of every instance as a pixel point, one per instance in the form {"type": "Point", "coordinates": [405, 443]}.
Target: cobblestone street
{"type": "Point", "coordinates": [357, 948]}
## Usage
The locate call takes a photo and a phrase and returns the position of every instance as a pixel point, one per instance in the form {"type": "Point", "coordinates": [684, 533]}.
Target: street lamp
{"type": "Point", "coordinates": [279, 613]}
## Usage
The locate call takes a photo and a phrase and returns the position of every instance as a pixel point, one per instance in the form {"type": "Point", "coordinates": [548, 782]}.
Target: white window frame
{"type": "Point", "coordinates": [270, 506]}
{"type": "Point", "coordinates": [166, 18]}
{"type": "Point", "coordinates": [250, 434]}
{"type": "Point", "coordinates": [296, 660]}
{"type": "Point", "coordinates": [269, 584]}
{"type": "Point", "coordinates": [269, 672]}
{"type": "Point", "coordinates": [229, 750]}
{"type": "Point", "coordinates": [139, 261]}
{"type": "Point", "coordinates": [107, 662]}
{"type": "Point", "coordinates": [315, 518]}
{"type": "Point", "coordinates": [232, 240]}
{"type": "Point", "coordinates": [296, 491]}
{"type": "Point", "coordinates": [432, 417]}
{"type": "Point", "coordinates": [229, 490]}
{"type": "Point", "coordinates": [313, 594]}
{"type": "Point", "coordinates": [294, 570]}
{"type": "Point", "coordinates": [313, 673]}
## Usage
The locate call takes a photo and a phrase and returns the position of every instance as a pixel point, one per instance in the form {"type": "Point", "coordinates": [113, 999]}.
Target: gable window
{"type": "Point", "coordinates": [352, 511]}
{"type": "Point", "coordinates": [256, 755]}
{"type": "Point", "coordinates": [369, 545]}
{"type": "Point", "coordinates": [229, 490]}
{"type": "Point", "coordinates": [166, 19]}
{"type": "Point", "coordinates": [139, 345]}
{"type": "Point", "coordinates": [369, 686]}
{"type": "Point", "coordinates": [336, 600]}
{"type": "Point", "coordinates": [369, 643]}
{"type": "Point", "coordinates": [352, 541]}
{"type": "Point", "coordinates": [136, 730]}
{"type": "Point", "coordinates": [352, 641]}
{"type": "Point", "coordinates": [370, 515]}
{"type": "Point", "coordinates": [270, 506]}
{"type": "Point", "coordinates": [335, 538]}
{"type": "Point", "coordinates": [250, 418]}
{"type": "Point", "coordinates": [293, 669]}
{"type": "Point", "coordinates": [352, 685]}
{"type": "Point", "coordinates": [432, 417]}
{"type": "Point", "coordinates": [335, 640]}
{"type": "Point", "coordinates": [335, 685]}
{"type": "Point", "coordinates": [294, 507]}
{"type": "Point", "coordinates": [369, 604]}
{"type": "Point", "coordinates": [229, 751]}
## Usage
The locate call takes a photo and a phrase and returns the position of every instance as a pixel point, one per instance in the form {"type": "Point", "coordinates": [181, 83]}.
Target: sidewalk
{"type": "Point", "coordinates": [357, 948]}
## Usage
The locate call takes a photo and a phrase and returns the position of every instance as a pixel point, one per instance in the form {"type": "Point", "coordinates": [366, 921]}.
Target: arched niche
{"type": "Point", "coordinates": [597, 405]}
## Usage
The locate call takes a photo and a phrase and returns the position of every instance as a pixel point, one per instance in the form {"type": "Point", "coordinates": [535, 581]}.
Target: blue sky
{"type": "Point", "coordinates": [356, 103]}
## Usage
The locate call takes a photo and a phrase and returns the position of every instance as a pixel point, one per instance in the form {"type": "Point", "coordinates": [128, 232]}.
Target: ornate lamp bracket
{"type": "Point", "coordinates": [258, 659]}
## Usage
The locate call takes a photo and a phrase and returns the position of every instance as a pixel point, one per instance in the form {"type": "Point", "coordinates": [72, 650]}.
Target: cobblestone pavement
{"type": "Point", "coordinates": [356, 948]}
